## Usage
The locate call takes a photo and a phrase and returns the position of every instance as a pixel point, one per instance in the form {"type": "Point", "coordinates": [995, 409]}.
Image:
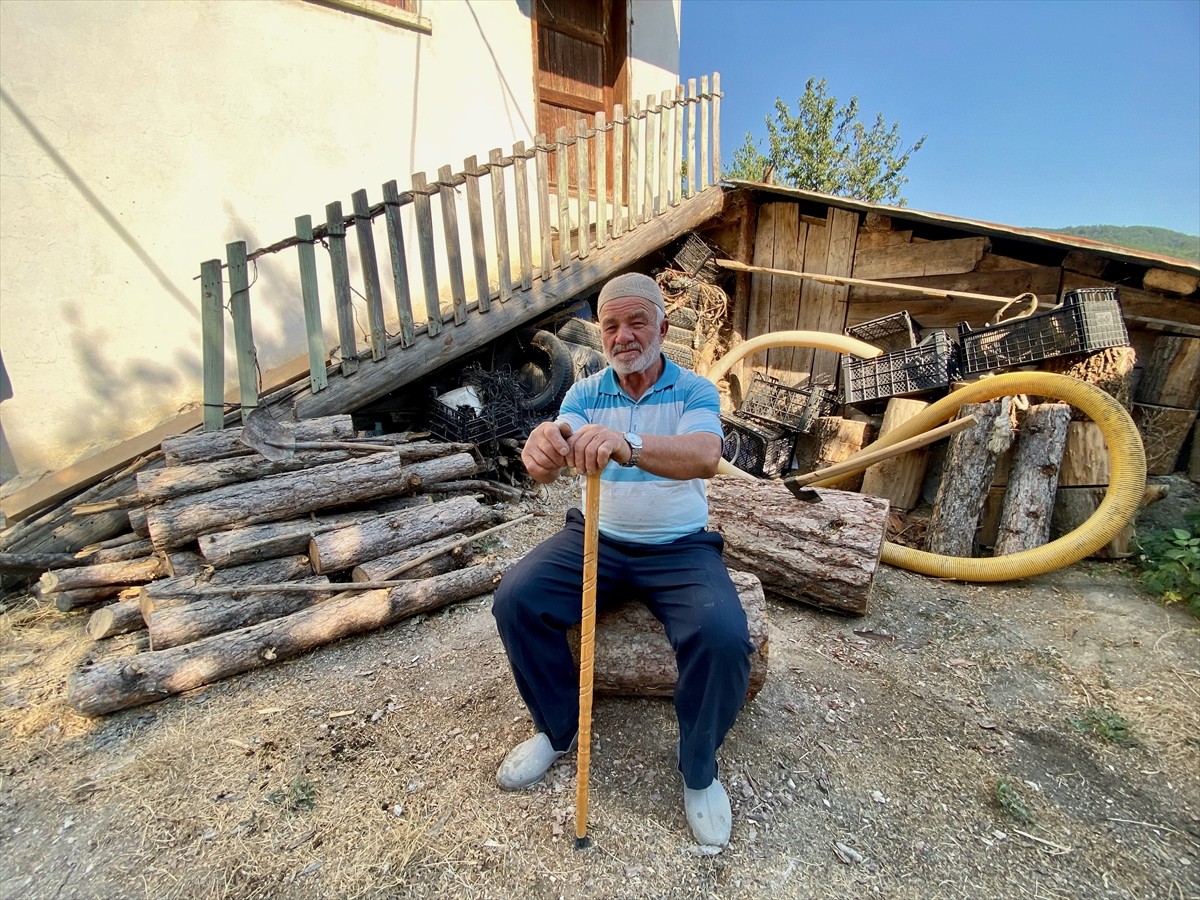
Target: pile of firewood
{"type": "Point", "coordinates": [217, 560]}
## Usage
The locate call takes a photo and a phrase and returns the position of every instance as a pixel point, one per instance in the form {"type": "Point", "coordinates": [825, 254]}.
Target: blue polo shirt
{"type": "Point", "coordinates": [634, 504]}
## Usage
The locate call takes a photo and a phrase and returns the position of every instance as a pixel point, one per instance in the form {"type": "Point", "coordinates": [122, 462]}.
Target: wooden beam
{"type": "Point", "coordinates": [935, 293]}
{"type": "Point", "coordinates": [914, 260]}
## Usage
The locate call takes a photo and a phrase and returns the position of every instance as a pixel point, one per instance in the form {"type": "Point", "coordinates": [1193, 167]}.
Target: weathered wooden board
{"type": "Point", "coordinates": [1171, 376]}
{"type": "Point", "coordinates": [918, 260]}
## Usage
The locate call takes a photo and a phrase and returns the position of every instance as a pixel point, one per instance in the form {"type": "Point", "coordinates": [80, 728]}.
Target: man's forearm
{"type": "Point", "coordinates": [679, 456]}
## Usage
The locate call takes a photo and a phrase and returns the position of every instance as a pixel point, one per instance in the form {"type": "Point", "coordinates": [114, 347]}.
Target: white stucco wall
{"type": "Point", "coordinates": [166, 130]}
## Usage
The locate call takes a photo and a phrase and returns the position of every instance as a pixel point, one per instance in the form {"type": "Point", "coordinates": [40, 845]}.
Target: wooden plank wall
{"type": "Point", "coordinates": [787, 239]}
{"type": "Point", "coordinates": [872, 246]}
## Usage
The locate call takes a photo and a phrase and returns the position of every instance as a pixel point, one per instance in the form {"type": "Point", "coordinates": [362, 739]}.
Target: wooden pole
{"type": "Point", "coordinates": [587, 659]}
{"type": "Point", "coordinates": [846, 280]}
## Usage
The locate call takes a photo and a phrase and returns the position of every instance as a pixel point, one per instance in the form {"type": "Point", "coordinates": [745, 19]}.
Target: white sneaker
{"type": "Point", "coordinates": [708, 814]}
{"type": "Point", "coordinates": [527, 762]}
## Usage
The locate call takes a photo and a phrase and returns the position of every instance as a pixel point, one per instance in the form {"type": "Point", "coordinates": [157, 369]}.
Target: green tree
{"type": "Point", "coordinates": [825, 147]}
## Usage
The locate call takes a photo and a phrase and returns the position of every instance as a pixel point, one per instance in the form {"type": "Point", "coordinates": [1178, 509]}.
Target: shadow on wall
{"type": "Point", "coordinates": [98, 206]}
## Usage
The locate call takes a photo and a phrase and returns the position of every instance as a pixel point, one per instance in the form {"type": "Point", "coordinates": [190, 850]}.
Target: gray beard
{"type": "Point", "coordinates": [644, 360]}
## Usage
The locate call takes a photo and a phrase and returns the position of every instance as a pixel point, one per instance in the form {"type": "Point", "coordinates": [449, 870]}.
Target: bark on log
{"type": "Point", "coordinates": [134, 571]}
{"type": "Point", "coordinates": [187, 588]}
{"type": "Point", "coordinates": [1029, 500]}
{"type": "Point", "coordinates": [138, 522]}
{"type": "Point", "coordinates": [377, 569]}
{"type": "Point", "coordinates": [122, 617]}
{"type": "Point", "coordinates": [966, 476]}
{"type": "Point", "coordinates": [184, 562]}
{"type": "Point", "coordinates": [1164, 430]}
{"type": "Point", "coordinates": [1171, 376]}
{"type": "Point", "coordinates": [296, 493]}
{"type": "Point", "coordinates": [197, 446]}
{"type": "Point", "coordinates": [176, 481]}
{"type": "Point", "coordinates": [1073, 506]}
{"type": "Point", "coordinates": [255, 543]}
{"type": "Point", "coordinates": [66, 601]}
{"type": "Point", "coordinates": [1110, 369]}
{"type": "Point", "coordinates": [347, 547]}
{"type": "Point", "coordinates": [38, 562]}
{"type": "Point", "coordinates": [57, 531]}
{"type": "Point", "coordinates": [898, 480]}
{"type": "Point", "coordinates": [824, 554]}
{"type": "Point", "coordinates": [157, 674]}
{"type": "Point", "coordinates": [172, 626]}
{"type": "Point", "coordinates": [634, 658]}
{"type": "Point", "coordinates": [1085, 459]}
{"type": "Point", "coordinates": [133, 548]}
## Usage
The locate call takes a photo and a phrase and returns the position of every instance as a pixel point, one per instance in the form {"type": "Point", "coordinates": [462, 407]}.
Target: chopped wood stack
{"type": "Point", "coordinates": [213, 550]}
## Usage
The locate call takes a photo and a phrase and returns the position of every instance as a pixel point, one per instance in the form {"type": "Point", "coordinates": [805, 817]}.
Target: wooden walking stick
{"type": "Point", "coordinates": [587, 644]}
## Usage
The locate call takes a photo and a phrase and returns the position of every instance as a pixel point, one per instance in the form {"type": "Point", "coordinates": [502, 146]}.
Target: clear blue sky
{"type": "Point", "coordinates": [1038, 114]}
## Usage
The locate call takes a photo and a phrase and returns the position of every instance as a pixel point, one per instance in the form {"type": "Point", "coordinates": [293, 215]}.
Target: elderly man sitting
{"type": "Point", "coordinates": [653, 431]}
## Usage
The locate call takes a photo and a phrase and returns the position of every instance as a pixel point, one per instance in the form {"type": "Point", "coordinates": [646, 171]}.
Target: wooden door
{"type": "Point", "coordinates": [582, 64]}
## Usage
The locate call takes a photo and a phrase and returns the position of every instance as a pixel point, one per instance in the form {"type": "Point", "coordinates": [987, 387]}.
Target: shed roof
{"type": "Point", "coordinates": [1029, 235]}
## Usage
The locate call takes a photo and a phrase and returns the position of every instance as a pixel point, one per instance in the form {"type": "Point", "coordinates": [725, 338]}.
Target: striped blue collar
{"type": "Point", "coordinates": [670, 374]}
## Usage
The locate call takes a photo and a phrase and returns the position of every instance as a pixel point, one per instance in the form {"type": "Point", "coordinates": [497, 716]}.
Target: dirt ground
{"type": "Point", "coordinates": [1031, 739]}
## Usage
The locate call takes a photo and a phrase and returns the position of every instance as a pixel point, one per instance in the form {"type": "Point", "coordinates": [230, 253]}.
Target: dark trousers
{"type": "Point", "coordinates": [686, 586]}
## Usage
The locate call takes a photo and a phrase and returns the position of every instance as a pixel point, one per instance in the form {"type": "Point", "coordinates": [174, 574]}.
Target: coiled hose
{"type": "Point", "coordinates": [1127, 460]}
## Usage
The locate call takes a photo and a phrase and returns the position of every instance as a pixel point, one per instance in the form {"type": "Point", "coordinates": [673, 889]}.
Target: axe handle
{"type": "Point", "coordinates": [865, 458]}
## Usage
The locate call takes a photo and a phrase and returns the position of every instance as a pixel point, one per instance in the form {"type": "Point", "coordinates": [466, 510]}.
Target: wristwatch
{"type": "Point", "coordinates": [635, 449]}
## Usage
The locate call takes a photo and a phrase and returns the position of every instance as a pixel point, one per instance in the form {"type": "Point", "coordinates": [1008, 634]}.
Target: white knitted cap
{"type": "Point", "coordinates": [632, 284]}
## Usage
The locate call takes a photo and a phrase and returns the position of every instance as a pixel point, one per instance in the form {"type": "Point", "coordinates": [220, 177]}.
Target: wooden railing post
{"type": "Point", "coordinates": [635, 183]}
{"type": "Point", "coordinates": [335, 234]}
{"type": "Point", "coordinates": [716, 127]}
{"type": "Point", "coordinates": [664, 151]}
{"type": "Point", "coordinates": [500, 221]}
{"type": "Point", "coordinates": [391, 213]}
{"type": "Point", "coordinates": [478, 248]}
{"type": "Point", "coordinates": [310, 294]}
{"type": "Point", "coordinates": [458, 289]}
{"type": "Point", "coordinates": [564, 198]}
{"type": "Point", "coordinates": [243, 329]}
{"type": "Point", "coordinates": [618, 224]}
{"type": "Point", "coordinates": [424, 216]}
{"type": "Point", "coordinates": [601, 180]}
{"type": "Point", "coordinates": [542, 160]}
{"type": "Point", "coordinates": [524, 235]}
{"type": "Point", "coordinates": [650, 208]}
{"type": "Point", "coordinates": [691, 145]}
{"type": "Point", "coordinates": [677, 173]}
{"type": "Point", "coordinates": [212, 321]}
{"type": "Point", "coordinates": [363, 233]}
{"type": "Point", "coordinates": [704, 172]}
{"type": "Point", "coordinates": [581, 185]}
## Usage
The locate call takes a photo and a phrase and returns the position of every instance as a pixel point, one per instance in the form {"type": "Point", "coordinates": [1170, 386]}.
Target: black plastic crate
{"type": "Point", "coordinates": [899, 331]}
{"type": "Point", "coordinates": [696, 257]}
{"type": "Point", "coordinates": [922, 369]}
{"type": "Point", "coordinates": [794, 409]}
{"type": "Point", "coordinates": [756, 448]}
{"type": "Point", "coordinates": [500, 417]}
{"type": "Point", "coordinates": [1088, 319]}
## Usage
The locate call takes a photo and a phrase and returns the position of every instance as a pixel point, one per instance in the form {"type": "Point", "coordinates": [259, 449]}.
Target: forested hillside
{"type": "Point", "coordinates": [1140, 237]}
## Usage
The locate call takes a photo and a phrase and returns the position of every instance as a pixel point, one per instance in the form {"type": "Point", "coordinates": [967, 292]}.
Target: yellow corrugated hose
{"type": "Point", "coordinates": [1127, 460]}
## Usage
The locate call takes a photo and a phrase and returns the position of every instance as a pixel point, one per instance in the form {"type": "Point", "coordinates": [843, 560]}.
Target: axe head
{"type": "Point", "coordinates": [803, 494]}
